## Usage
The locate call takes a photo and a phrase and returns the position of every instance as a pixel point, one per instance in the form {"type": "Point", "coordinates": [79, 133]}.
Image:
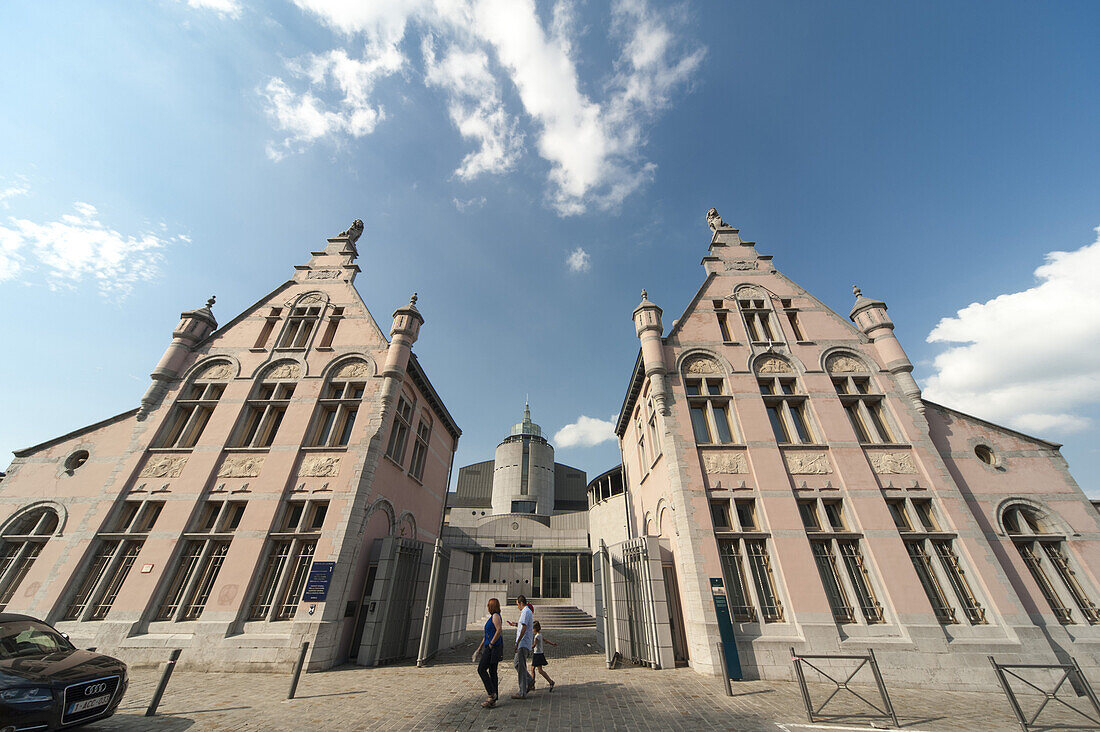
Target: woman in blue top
{"type": "Point", "coordinates": [491, 651]}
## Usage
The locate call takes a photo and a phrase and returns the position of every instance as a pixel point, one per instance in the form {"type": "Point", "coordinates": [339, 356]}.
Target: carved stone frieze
{"type": "Point", "coordinates": [285, 371]}
{"type": "Point", "coordinates": [808, 463]}
{"type": "Point", "coordinates": [742, 265]}
{"type": "Point", "coordinates": [352, 370]}
{"type": "Point", "coordinates": [311, 299]}
{"type": "Point", "coordinates": [216, 371]}
{"type": "Point", "coordinates": [773, 365]}
{"type": "Point", "coordinates": [749, 293]}
{"type": "Point", "coordinates": [241, 466]}
{"type": "Point", "coordinates": [724, 463]}
{"type": "Point", "coordinates": [319, 466]}
{"type": "Point", "coordinates": [842, 363]}
{"type": "Point", "coordinates": [323, 274]}
{"type": "Point", "coordinates": [702, 365]}
{"type": "Point", "coordinates": [892, 463]}
{"type": "Point", "coordinates": [163, 466]}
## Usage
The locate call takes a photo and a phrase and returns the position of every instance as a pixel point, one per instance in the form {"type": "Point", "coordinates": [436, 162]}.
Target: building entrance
{"type": "Point", "coordinates": [513, 570]}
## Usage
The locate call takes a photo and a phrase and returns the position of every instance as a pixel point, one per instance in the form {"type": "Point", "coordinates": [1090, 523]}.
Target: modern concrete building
{"type": "Point", "coordinates": [525, 520]}
{"type": "Point", "coordinates": [278, 483]}
{"type": "Point", "coordinates": [787, 485]}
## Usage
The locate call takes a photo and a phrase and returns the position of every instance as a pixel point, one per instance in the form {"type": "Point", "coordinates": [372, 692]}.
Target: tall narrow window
{"type": "Point", "coordinates": [420, 449]}
{"type": "Point", "coordinates": [330, 330]}
{"type": "Point", "coordinates": [787, 409]}
{"type": "Point", "coordinates": [739, 542]}
{"type": "Point", "coordinates": [288, 560]}
{"type": "Point", "coordinates": [925, 539]}
{"type": "Point", "coordinates": [796, 328]}
{"type": "Point", "coordinates": [270, 322]}
{"type": "Point", "coordinates": [116, 550]}
{"type": "Point", "coordinates": [20, 544]}
{"type": "Point", "coordinates": [643, 458]}
{"type": "Point", "coordinates": [865, 406]}
{"type": "Point", "coordinates": [1047, 558]}
{"type": "Point", "coordinates": [834, 546]}
{"type": "Point", "coordinates": [399, 432]}
{"type": "Point", "coordinates": [264, 411]}
{"type": "Point", "coordinates": [299, 326]}
{"type": "Point", "coordinates": [654, 435]}
{"type": "Point", "coordinates": [193, 407]}
{"type": "Point", "coordinates": [709, 407]}
{"type": "Point", "coordinates": [205, 547]}
{"type": "Point", "coordinates": [339, 405]}
{"type": "Point", "coordinates": [724, 327]}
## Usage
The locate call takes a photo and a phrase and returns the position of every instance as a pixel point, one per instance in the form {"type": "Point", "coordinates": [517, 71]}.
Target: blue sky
{"type": "Point", "coordinates": [528, 168]}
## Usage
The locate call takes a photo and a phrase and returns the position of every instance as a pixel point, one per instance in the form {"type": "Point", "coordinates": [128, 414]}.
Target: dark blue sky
{"type": "Point", "coordinates": [933, 153]}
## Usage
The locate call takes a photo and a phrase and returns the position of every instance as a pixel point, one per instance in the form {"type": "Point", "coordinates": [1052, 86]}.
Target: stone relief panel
{"type": "Point", "coordinates": [892, 463]}
{"type": "Point", "coordinates": [319, 466]}
{"type": "Point", "coordinates": [285, 371]}
{"type": "Point", "coordinates": [702, 365]}
{"type": "Point", "coordinates": [323, 274]}
{"type": "Point", "coordinates": [750, 293]}
{"type": "Point", "coordinates": [808, 463]}
{"type": "Point", "coordinates": [163, 466]}
{"type": "Point", "coordinates": [353, 370]}
{"type": "Point", "coordinates": [312, 298]}
{"type": "Point", "coordinates": [842, 363]}
{"type": "Point", "coordinates": [773, 365]}
{"type": "Point", "coordinates": [741, 265]}
{"type": "Point", "coordinates": [216, 371]}
{"type": "Point", "coordinates": [241, 466]}
{"type": "Point", "coordinates": [724, 463]}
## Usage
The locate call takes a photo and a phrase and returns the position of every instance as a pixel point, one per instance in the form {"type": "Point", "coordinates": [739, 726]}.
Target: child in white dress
{"type": "Point", "coordinates": [538, 660]}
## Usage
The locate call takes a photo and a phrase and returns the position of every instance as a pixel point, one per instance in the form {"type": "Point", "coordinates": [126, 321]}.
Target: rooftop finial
{"type": "Point", "coordinates": [714, 221]}
{"type": "Point", "coordinates": [645, 295]}
{"type": "Point", "coordinates": [856, 291]}
{"type": "Point", "coordinates": [210, 302]}
{"type": "Point", "coordinates": [413, 299]}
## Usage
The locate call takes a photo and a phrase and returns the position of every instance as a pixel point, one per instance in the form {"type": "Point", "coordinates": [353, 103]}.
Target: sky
{"type": "Point", "coordinates": [528, 168]}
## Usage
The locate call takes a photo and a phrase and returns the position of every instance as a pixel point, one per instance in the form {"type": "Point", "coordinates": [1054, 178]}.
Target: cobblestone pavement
{"type": "Point", "coordinates": [446, 696]}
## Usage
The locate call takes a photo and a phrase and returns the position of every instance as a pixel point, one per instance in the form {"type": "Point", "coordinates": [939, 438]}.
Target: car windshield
{"type": "Point", "coordinates": [25, 638]}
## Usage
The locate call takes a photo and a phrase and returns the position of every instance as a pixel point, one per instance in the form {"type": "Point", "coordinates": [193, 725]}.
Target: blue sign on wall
{"type": "Point", "coordinates": [320, 574]}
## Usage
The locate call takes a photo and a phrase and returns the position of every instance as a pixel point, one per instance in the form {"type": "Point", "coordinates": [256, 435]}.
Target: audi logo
{"type": "Point", "coordinates": [94, 689]}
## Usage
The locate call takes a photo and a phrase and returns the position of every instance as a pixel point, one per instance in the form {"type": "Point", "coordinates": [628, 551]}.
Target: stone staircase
{"type": "Point", "coordinates": [563, 617]}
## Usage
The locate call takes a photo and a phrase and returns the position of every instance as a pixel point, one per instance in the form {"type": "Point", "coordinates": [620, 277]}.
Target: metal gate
{"type": "Point", "coordinates": [641, 625]}
{"type": "Point", "coordinates": [1035, 688]}
{"type": "Point", "coordinates": [398, 613]}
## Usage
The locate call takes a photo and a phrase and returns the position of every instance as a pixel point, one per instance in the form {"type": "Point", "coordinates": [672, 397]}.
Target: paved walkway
{"type": "Point", "coordinates": [447, 694]}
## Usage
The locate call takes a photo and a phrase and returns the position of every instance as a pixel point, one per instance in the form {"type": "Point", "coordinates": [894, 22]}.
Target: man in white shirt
{"type": "Point", "coordinates": [524, 638]}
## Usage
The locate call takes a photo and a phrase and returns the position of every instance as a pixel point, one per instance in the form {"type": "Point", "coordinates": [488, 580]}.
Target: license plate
{"type": "Point", "coordinates": [86, 704]}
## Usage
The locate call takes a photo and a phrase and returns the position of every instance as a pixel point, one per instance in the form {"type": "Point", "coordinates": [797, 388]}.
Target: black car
{"type": "Point", "coordinates": [47, 683]}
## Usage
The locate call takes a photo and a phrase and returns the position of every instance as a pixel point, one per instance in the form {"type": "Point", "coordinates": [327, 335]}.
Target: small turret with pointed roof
{"type": "Point", "coordinates": [870, 317]}
{"type": "Point", "coordinates": [649, 328]}
{"type": "Point", "coordinates": [194, 326]}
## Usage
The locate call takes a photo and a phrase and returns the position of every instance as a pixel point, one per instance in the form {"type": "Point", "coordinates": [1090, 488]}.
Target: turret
{"type": "Point", "coordinates": [406, 328]}
{"type": "Point", "coordinates": [648, 326]}
{"type": "Point", "coordinates": [871, 318]}
{"type": "Point", "coordinates": [194, 326]}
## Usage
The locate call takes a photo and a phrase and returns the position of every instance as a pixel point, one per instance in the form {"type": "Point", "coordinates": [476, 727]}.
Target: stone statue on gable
{"type": "Point", "coordinates": [353, 232]}
{"type": "Point", "coordinates": [714, 221]}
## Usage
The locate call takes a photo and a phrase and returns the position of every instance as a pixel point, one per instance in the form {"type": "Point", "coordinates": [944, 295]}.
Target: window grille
{"type": "Point", "coordinates": [289, 557]}
{"type": "Point", "coordinates": [833, 539]}
{"type": "Point", "coordinates": [20, 544]}
{"type": "Point", "coordinates": [204, 551]}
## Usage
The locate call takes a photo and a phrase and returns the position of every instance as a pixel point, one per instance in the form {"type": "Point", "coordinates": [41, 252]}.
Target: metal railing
{"type": "Point", "coordinates": [1063, 672]}
{"type": "Point", "coordinates": [886, 709]}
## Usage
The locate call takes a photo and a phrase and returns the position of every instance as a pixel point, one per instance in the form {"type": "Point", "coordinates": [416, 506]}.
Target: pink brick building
{"type": "Point", "coordinates": [296, 437]}
{"type": "Point", "coordinates": [780, 457]}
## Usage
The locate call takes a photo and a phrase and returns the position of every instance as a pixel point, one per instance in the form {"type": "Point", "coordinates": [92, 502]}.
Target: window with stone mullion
{"type": "Point", "coordinates": [787, 412]}
{"type": "Point", "coordinates": [866, 410]}
{"type": "Point", "coordinates": [264, 414]}
{"type": "Point", "coordinates": [288, 560]}
{"type": "Point", "coordinates": [830, 578]}
{"type": "Point", "coordinates": [190, 415]}
{"type": "Point", "coordinates": [420, 449]}
{"type": "Point", "coordinates": [299, 327]}
{"type": "Point", "coordinates": [337, 410]}
{"type": "Point", "coordinates": [709, 407]}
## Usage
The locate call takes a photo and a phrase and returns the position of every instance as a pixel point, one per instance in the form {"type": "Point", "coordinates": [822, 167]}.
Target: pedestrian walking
{"type": "Point", "coordinates": [538, 660]}
{"type": "Point", "coordinates": [490, 652]}
{"type": "Point", "coordinates": [524, 641]}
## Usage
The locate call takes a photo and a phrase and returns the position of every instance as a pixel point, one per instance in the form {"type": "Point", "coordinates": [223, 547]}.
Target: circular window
{"type": "Point", "coordinates": [515, 526]}
{"type": "Point", "coordinates": [75, 460]}
{"type": "Point", "coordinates": [985, 454]}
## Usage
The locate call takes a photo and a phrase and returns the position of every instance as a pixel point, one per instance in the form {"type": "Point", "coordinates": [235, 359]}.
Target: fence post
{"type": "Point", "coordinates": [298, 670]}
{"type": "Point", "coordinates": [725, 671]}
{"type": "Point", "coordinates": [169, 666]}
{"type": "Point", "coordinates": [882, 686]}
{"type": "Point", "coordinates": [797, 661]}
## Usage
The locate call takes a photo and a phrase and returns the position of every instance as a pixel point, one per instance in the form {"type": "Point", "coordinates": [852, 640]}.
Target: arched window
{"type": "Point", "coordinates": [194, 405]}
{"type": "Point", "coordinates": [20, 544]}
{"type": "Point", "coordinates": [708, 402]}
{"type": "Point", "coordinates": [1043, 549]}
{"type": "Point", "coordinates": [785, 401]}
{"type": "Point", "coordinates": [863, 402]}
{"type": "Point", "coordinates": [266, 406]}
{"type": "Point", "coordinates": [339, 404]}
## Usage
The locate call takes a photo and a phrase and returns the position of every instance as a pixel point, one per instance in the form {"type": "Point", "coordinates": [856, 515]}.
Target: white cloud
{"type": "Point", "coordinates": [10, 190]}
{"type": "Point", "coordinates": [225, 8]}
{"type": "Point", "coordinates": [578, 261]}
{"type": "Point", "coordinates": [591, 133]}
{"type": "Point", "coordinates": [78, 247]}
{"type": "Point", "coordinates": [471, 204]}
{"type": "Point", "coordinates": [1029, 359]}
{"type": "Point", "coordinates": [585, 432]}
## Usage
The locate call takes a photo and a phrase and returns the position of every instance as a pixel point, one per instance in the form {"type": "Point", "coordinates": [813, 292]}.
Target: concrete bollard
{"type": "Point", "coordinates": [169, 666]}
{"type": "Point", "coordinates": [298, 670]}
